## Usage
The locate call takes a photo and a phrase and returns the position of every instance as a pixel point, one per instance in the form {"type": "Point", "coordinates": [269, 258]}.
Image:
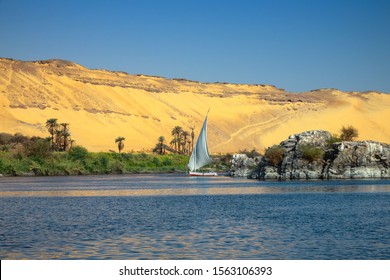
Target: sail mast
{"type": "Point", "coordinates": [200, 156]}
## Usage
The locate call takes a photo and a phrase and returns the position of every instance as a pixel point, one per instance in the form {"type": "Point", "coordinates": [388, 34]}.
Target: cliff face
{"type": "Point", "coordinates": [101, 105]}
{"type": "Point", "coordinates": [365, 159]}
{"type": "Point", "coordinates": [343, 160]}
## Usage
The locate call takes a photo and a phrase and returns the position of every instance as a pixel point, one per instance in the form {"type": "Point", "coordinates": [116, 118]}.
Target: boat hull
{"type": "Point", "coordinates": [203, 174]}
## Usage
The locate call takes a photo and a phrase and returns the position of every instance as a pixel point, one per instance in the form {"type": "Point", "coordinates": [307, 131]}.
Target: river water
{"type": "Point", "coordinates": [180, 217]}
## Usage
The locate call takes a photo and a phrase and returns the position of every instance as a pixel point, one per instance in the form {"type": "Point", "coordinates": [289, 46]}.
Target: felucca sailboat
{"type": "Point", "coordinates": [200, 155]}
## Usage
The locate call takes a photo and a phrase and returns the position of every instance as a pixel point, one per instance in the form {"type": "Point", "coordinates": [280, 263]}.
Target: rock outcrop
{"type": "Point", "coordinates": [294, 165]}
{"type": "Point", "coordinates": [243, 166]}
{"type": "Point", "coordinates": [365, 159]}
{"type": "Point", "coordinates": [324, 160]}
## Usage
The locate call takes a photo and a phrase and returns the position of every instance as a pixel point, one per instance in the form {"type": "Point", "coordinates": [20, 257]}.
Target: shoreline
{"type": "Point", "coordinates": [220, 174]}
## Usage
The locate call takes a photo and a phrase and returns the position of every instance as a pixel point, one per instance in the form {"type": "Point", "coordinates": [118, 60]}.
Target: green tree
{"type": "Point", "coordinates": [176, 133]}
{"type": "Point", "coordinates": [121, 145]}
{"type": "Point", "coordinates": [72, 143]}
{"type": "Point", "coordinates": [58, 140]}
{"type": "Point", "coordinates": [65, 136]}
{"type": "Point", "coordinates": [184, 136]}
{"type": "Point", "coordinates": [78, 153]}
{"type": "Point", "coordinates": [38, 148]}
{"type": "Point", "coordinates": [161, 145]}
{"type": "Point", "coordinates": [274, 155]}
{"type": "Point", "coordinates": [348, 133]}
{"type": "Point", "coordinates": [51, 125]}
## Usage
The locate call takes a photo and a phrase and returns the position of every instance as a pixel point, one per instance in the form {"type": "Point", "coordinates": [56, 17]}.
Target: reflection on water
{"type": "Point", "coordinates": [178, 217]}
{"type": "Point", "coordinates": [165, 185]}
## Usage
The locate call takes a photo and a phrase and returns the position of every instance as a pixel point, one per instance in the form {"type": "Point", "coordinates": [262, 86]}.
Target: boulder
{"type": "Point", "coordinates": [242, 166]}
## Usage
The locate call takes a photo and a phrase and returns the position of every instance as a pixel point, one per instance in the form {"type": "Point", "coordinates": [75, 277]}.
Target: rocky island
{"type": "Point", "coordinates": [312, 155]}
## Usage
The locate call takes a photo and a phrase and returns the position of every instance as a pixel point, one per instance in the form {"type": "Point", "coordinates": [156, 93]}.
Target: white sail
{"type": "Point", "coordinates": [200, 155]}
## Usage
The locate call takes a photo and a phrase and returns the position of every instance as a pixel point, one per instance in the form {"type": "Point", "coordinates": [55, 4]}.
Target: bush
{"type": "Point", "coordinates": [103, 160]}
{"type": "Point", "coordinates": [348, 133]}
{"type": "Point", "coordinates": [78, 153]}
{"type": "Point", "coordinates": [311, 152]}
{"type": "Point", "coordinates": [167, 161]}
{"type": "Point", "coordinates": [38, 149]}
{"type": "Point", "coordinates": [117, 167]}
{"type": "Point", "coordinates": [333, 139]}
{"type": "Point", "coordinates": [156, 162]}
{"type": "Point", "coordinates": [274, 155]}
{"type": "Point", "coordinates": [5, 138]}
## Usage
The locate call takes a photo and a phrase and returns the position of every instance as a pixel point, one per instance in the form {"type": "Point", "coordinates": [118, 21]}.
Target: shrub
{"type": "Point", "coordinates": [311, 152]}
{"type": "Point", "coordinates": [274, 155]}
{"type": "Point", "coordinates": [5, 138]}
{"type": "Point", "coordinates": [167, 161]}
{"type": "Point", "coordinates": [38, 148]}
{"type": "Point", "coordinates": [333, 139]}
{"type": "Point", "coordinates": [348, 133]}
{"type": "Point", "coordinates": [117, 167]}
{"type": "Point", "coordinates": [5, 148]}
{"type": "Point", "coordinates": [78, 153]}
{"type": "Point", "coordinates": [156, 162]}
{"type": "Point", "coordinates": [103, 160]}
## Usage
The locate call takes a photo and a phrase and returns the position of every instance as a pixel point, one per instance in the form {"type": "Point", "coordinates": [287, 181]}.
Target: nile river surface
{"type": "Point", "coordinates": [178, 217]}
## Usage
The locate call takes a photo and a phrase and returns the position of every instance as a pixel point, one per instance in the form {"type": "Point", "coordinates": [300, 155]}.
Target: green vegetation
{"type": "Point", "coordinates": [121, 145]}
{"type": "Point", "coordinates": [182, 142]}
{"type": "Point", "coordinates": [78, 161]}
{"type": "Point", "coordinates": [311, 152]}
{"type": "Point", "coordinates": [59, 135]}
{"type": "Point", "coordinates": [160, 147]}
{"type": "Point", "coordinates": [33, 156]}
{"type": "Point", "coordinates": [57, 155]}
{"type": "Point", "coordinates": [274, 155]}
{"type": "Point", "coordinates": [333, 139]}
{"type": "Point", "coordinates": [349, 133]}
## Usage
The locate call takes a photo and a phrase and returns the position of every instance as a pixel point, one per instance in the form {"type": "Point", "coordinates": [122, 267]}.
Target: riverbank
{"type": "Point", "coordinates": [63, 163]}
{"type": "Point", "coordinates": [88, 163]}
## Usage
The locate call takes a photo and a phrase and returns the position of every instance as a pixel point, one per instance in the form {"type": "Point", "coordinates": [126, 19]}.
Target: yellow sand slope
{"type": "Point", "coordinates": [102, 105]}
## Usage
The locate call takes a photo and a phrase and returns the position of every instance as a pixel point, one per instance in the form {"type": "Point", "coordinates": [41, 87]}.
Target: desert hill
{"type": "Point", "coordinates": [101, 105]}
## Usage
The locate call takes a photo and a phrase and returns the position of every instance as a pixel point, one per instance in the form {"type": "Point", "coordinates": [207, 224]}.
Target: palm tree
{"type": "Point", "coordinates": [65, 135]}
{"type": "Point", "coordinates": [58, 140]}
{"type": "Point", "coordinates": [173, 144]}
{"type": "Point", "coordinates": [65, 127]}
{"type": "Point", "coordinates": [184, 135]}
{"type": "Point", "coordinates": [72, 143]}
{"type": "Point", "coordinates": [51, 125]}
{"type": "Point", "coordinates": [161, 141]}
{"type": "Point", "coordinates": [176, 134]}
{"type": "Point", "coordinates": [160, 146]}
{"type": "Point", "coordinates": [121, 145]}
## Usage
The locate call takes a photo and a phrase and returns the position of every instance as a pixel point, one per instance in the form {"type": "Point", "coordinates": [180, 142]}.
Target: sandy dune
{"type": "Point", "coordinates": [101, 105]}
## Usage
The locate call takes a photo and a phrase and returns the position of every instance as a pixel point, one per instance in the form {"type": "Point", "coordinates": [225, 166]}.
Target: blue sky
{"type": "Point", "coordinates": [295, 45]}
